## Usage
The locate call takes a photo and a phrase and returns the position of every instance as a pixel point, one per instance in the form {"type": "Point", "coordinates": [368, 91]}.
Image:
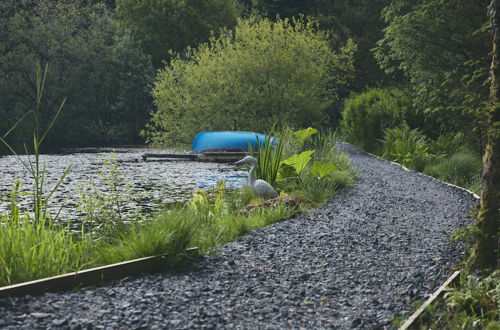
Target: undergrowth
{"type": "Point", "coordinates": [472, 304]}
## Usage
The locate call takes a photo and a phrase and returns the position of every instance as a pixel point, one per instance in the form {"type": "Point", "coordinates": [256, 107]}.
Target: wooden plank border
{"type": "Point", "coordinates": [87, 277]}
{"type": "Point", "coordinates": [409, 322]}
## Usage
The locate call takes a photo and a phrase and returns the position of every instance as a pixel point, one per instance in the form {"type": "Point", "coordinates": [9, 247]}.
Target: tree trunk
{"type": "Point", "coordinates": [486, 251]}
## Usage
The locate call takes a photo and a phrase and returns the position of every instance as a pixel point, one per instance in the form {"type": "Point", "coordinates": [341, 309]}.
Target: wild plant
{"type": "Point", "coordinates": [463, 169]}
{"type": "Point", "coordinates": [477, 296]}
{"type": "Point", "coordinates": [110, 203]}
{"type": "Point", "coordinates": [405, 146]}
{"type": "Point", "coordinates": [206, 208]}
{"type": "Point", "coordinates": [323, 142]}
{"type": "Point", "coordinates": [268, 155]}
{"type": "Point", "coordinates": [33, 164]}
{"type": "Point", "coordinates": [35, 249]}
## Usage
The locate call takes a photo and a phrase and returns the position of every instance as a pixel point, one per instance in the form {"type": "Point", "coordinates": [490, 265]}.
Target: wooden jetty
{"type": "Point", "coordinates": [207, 156]}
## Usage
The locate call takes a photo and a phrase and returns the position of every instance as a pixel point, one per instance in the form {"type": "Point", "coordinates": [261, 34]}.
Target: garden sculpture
{"type": "Point", "coordinates": [259, 187]}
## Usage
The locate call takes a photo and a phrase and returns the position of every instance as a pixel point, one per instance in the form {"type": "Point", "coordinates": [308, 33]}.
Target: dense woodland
{"type": "Point", "coordinates": [161, 66]}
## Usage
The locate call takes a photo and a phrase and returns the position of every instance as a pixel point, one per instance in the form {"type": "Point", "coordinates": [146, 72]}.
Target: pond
{"type": "Point", "coordinates": [165, 181]}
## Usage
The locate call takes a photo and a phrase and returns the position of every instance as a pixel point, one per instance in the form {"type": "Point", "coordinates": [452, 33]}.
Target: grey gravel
{"type": "Point", "coordinates": [357, 262]}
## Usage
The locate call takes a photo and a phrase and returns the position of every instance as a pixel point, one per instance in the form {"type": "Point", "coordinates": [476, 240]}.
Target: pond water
{"type": "Point", "coordinates": [165, 181]}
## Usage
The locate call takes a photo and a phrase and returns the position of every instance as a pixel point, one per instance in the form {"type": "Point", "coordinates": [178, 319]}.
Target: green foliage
{"type": "Point", "coordinates": [474, 304]}
{"type": "Point", "coordinates": [294, 166]}
{"type": "Point", "coordinates": [448, 144]}
{"type": "Point", "coordinates": [463, 169]}
{"type": "Point", "coordinates": [168, 232]}
{"type": "Point", "coordinates": [106, 205]}
{"type": "Point", "coordinates": [321, 170]}
{"type": "Point", "coordinates": [261, 73]}
{"type": "Point", "coordinates": [269, 157]}
{"type": "Point", "coordinates": [35, 249]}
{"type": "Point", "coordinates": [477, 296]}
{"type": "Point", "coordinates": [358, 20]}
{"type": "Point", "coordinates": [367, 115]}
{"type": "Point", "coordinates": [305, 134]}
{"type": "Point", "coordinates": [166, 25]}
{"type": "Point", "coordinates": [101, 71]}
{"type": "Point", "coordinates": [405, 146]}
{"type": "Point", "coordinates": [442, 48]}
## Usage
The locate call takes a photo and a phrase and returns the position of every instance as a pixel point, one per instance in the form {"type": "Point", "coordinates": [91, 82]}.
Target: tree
{"type": "Point", "coordinates": [442, 48]}
{"type": "Point", "coordinates": [261, 73]}
{"type": "Point", "coordinates": [100, 70]}
{"type": "Point", "coordinates": [164, 25]}
{"type": "Point", "coordinates": [486, 253]}
{"type": "Point", "coordinates": [346, 19]}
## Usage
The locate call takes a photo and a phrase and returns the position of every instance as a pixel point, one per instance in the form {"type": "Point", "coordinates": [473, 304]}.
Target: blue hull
{"type": "Point", "coordinates": [226, 140]}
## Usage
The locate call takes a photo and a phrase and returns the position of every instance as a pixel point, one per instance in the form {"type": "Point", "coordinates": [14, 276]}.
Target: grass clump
{"type": "Point", "coordinates": [405, 146]}
{"type": "Point", "coordinates": [168, 232]}
{"type": "Point", "coordinates": [446, 158]}
{"type": "Point", "coordinates": [35, 249]}
{"type": "Point", "coordinates": [463, 169]}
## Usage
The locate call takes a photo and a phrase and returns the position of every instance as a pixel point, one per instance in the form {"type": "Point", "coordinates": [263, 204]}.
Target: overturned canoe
{"type": "Point", "coordinates": [227, 141]}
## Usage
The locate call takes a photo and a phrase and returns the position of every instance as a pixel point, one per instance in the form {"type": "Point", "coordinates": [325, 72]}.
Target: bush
{"type": "Point", "coordinates": [463, 169]}
{"type": "Point", "coordinates": [261, 73]}
{"type": "Point", "coordinates": [405, 146]}
{"type": "Point", "coordinates": [367, 115]}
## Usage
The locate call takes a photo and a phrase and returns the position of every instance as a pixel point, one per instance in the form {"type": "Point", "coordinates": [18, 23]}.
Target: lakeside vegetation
{"type": "Point", "coordinates": [408, 80]}
{"type": "Point", "coordinates": [32, 248]}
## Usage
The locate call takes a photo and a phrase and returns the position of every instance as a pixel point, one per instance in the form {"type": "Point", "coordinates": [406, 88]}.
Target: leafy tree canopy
{"type": "Point", "coordinates": [102, 73]}
{"type": "Point", "coordinates": [442, 48]}
{"type": "Point", "coordinates": [164, 25]}
{"type": "Point", "coordinates": [357, 20]}
{"type": "Point", "coordinates": [261, 73]}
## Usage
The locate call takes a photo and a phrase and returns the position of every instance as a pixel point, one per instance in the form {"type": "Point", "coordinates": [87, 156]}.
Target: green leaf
{"type": "Point", "coordinates": [299, 162]}
{"type": "Point", "coordinates": [304, 134]}
{"type": "Point", "coordinates": [322, 170]}
{"type": "Point", "coordinates": [286, 172]}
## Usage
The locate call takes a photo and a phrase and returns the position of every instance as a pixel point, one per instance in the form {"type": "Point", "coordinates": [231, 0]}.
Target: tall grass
{"type": "Point", "coordinates": [35, 249]}
{"type": "Point", "coordinates": [463, 169]}
{"type": "Point", "coordinates": [168, 232]}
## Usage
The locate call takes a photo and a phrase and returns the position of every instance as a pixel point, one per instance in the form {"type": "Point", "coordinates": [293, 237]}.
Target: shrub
{"type": "Point", "coordinates": [261, 73]}
{"type": "Point", "coordinates": [405, 146]}
{"type": "Point", "coordinates": [463, 169]}
{"type": "Point", "coordinates": [367, 115]}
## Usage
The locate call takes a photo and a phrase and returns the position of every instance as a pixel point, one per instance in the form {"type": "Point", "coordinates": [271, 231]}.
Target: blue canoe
{"type": "Point", "coordinates": [227, 141]}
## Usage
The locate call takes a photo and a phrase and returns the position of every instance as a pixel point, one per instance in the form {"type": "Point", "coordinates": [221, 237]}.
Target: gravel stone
{"type": "Point", "coordinates": [357, 262]}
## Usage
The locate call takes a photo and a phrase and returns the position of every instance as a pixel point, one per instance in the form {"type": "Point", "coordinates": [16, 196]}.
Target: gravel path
{"type": "Point", "coordinates": [354, 263]}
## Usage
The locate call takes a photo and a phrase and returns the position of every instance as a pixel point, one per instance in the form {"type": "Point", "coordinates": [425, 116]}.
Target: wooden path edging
{"type": "Point", "coordinates": [409, 322]}
{"type": "Point", "coordinates": [85, 277]}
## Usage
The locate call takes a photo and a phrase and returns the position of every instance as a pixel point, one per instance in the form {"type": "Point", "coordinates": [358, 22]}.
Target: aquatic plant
{"type": "Point", "coordinates": [107, 204]}
{"type": "Point", "coordinates": [33, 164]}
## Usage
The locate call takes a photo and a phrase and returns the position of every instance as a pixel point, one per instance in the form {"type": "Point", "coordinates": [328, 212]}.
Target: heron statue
{"type": "Point", "coordinates": [259, 187]}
